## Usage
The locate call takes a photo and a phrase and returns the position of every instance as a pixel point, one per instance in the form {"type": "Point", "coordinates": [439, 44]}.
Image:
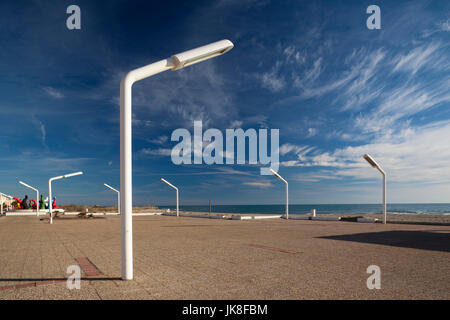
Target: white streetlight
{"type": "Point", "coordinates": [175, 62]}
{"type": "Point", "coordinates": [37, 195]}
{"type": "Point", "coordinates": [50, 204]}
{"type": "Point", "coordinates": [287, 191]}
{"type": "Point", "coordinates": [118, 196]}
{"type": "Point", "coordinates": [374, 164]}
{"type": "Point", "coordinates": [176, 189]}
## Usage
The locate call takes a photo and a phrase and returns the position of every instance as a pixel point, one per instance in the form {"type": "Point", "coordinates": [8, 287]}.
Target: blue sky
{"type": "Point", "coordinates": [312, 69]}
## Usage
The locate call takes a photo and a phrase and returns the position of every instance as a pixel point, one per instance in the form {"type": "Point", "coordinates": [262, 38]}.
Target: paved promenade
{"type": "Point", "coordinates": [191, 258]}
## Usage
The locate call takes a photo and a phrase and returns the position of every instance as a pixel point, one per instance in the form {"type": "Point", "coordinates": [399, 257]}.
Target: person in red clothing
{"type": "Point", "coordinates": [54, 206]}
{"type": "Point", "coordinates": [18, 203]}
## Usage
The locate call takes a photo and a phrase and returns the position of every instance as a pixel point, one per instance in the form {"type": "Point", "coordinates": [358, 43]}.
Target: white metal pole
{"type": "Point", "coordinates": [50, 200]}
{"type": "Point", "coordinates": [176, 189]}
{"type": "Point", "coordinates": [178, 214]}
{"type": "Point", "coordinates": [37, 195]}
{"type": "Point", "coordinates": [176, 62]}
{"type": "Point", "coordinates": [50, 204]}
{"type": "Point", "coordinates": [118, 196]}
{"type": "Point", "coordinates": [384, 198]}
{"type": "Point", "coordinates": [287, 191]}
{"type": "Point", "coordinates": [126, 192]}
{"type": "Point", "coordinates": [287, 201]}
{"type": "Point", "coordinates": [2, 202]}
{"type": "Point", "coordinates": [118, 203]}
{"type": "Point", "coordinates": [374, 164]}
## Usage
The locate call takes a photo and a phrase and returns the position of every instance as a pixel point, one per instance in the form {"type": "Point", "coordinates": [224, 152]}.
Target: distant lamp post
{"type": "Point", "coordinates": [176, 189]}
{"type": "Point", "coordinates": [37, 195]}
{"type": "Point", "coordinates": [374, 164]}
{"type": "Point", "coordinates": [177, 61]}
{"type": "Point", "coordinates": [118, 196]}
{"type": "Point", "coordinates": [50, 204]}
{"type": "Point", "coordinates": [287, 191]}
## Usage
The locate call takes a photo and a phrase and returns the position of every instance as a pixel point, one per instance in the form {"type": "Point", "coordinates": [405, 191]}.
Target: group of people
{"type": "Point", "coordinates": [25, 204]}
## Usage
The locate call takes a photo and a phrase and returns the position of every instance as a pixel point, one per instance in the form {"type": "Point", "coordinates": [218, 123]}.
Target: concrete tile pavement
{"type": "Point", "coordinates": [188, 258]}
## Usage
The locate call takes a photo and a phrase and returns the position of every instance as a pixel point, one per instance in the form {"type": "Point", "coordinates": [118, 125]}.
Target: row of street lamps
{"type": "Point", "coordinates": [50, 204]}
{"type": "Point", "coordinates": [367, 157]}
{"type": "Point", "coordinates": [175, 62]}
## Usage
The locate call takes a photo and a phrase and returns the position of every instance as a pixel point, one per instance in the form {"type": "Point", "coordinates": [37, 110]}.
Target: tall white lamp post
{"type": "Point", "coordinates": [37, 195]}
{"type": "Point", "coordinates": [177, 61]}
{"type": "Point", "coordinates": [287, 192]}
{"type": "Point", "coordinates": [374, 164]}
{"type": "Point", "coordinates": [176, 189]}
{"type": "Point", "coordinates": [50, 204]}
{"type": "Point", "coordinates": [118, 196]}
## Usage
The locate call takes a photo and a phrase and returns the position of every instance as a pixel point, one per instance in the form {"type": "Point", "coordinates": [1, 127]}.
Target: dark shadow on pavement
{"type": "Point", "coordinates": [425, 240]}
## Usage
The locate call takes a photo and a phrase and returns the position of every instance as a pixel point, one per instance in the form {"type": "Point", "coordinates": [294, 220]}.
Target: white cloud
{"type": "Point", "coordinates": [402, 102]}
{"type": "Point", "coordinates": [160, 140]}
{"type": "Point", "coordinates": [292, 55]}
{"type": "Point", "coordinates": [42, 130]}
{"type": "Point", "coordinates": [299, 151]}
{"type": "Point", "coordinates": [259, 184]}
{"type": "Point", "coordinates": [312, 132]}
{"type": "Point", "coordinates": [194, 93]}
{"type": "Point", "coordinates": [417, 155]}
{"type": "Point", "coordinates": [273, 80]}
{"type": "Point", "coordinates": [235, 124]}
{"type": "Point", "coordinates": [416, 58]}
{"type": "Point", "coordinates": [157, 152]}
{"type": "Point", "coordinates": [445, 25]}
{"type": "Point", "coordinates": [53, 93]}
{"type": "Point", "coordinates": [312, 74]}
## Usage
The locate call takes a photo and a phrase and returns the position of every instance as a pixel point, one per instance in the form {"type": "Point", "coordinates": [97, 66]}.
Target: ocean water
{"type": "Point", "coordinates": [403, 208]}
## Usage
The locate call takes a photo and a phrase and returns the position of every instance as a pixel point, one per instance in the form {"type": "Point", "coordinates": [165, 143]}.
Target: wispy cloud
{"type": "Point", "coordinates": [272, 80]}
{"type": "Point", "coordinates": [299, 151]}
{"type": "Point", "coordinates": [258, 184]}
{"type": "Point", "coordinates": [415, 156]}
{"type": "Point", "coordinates": [160, 140]}
{"type": "Point", "coordinates": [444, 25]}
{"type": "Point", "coordinates": [417, 58]}
{"type": "Point", "coordinates": [185, 96]}
{"type": "Point", "coordinates": [312, 132]}
{"type": "Point", "coordinates": [156, 152]}
{"type": "Point", "coordinates": [52, 92]}
{"type": "Point", "coordinates": [42, 130]}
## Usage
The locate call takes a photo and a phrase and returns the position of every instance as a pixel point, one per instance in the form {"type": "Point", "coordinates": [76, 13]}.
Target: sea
{"type": "Point", "coordinates": [401, 208]}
